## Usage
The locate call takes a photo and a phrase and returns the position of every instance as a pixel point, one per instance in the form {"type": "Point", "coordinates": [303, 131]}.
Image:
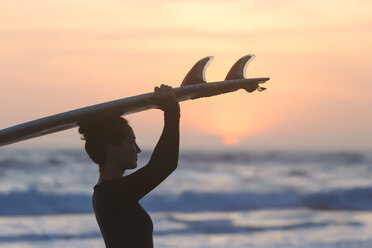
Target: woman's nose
{"type": "Point", "coordinates": [138, 149]}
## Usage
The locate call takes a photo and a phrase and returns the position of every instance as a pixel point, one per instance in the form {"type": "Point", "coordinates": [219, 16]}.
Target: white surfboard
{"type": "Point", "coordinates": [194, 86]}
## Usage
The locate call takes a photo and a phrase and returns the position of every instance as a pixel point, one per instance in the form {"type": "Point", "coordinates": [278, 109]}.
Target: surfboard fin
{"type": "Point", "coordinates": [237, 71]}
{"type": "Point", "coordinates": [197, 73]}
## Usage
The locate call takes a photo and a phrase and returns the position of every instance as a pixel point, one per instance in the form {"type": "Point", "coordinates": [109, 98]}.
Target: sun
{"type": "Point", "coordinates": [231, 128]}
{"type": "Point", "coordinates": [230, 140]}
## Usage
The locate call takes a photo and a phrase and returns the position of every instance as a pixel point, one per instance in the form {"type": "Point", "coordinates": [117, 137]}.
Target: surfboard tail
{"type": "Point", "coordinates": [238, 71]}
{"type": "Point", "coordinates": [235, 79]}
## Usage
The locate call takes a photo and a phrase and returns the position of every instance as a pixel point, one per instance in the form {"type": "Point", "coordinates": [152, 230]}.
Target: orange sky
{"type": "Point", "coordinates": [60, 55]}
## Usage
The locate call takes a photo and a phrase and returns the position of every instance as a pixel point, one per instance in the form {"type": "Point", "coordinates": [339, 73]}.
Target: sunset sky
{"type": "Point", "coordinates": [61, 55]}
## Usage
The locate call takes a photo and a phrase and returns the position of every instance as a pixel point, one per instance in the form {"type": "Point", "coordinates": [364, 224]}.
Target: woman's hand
{"type": "Point", "coordinates": [165, 97]}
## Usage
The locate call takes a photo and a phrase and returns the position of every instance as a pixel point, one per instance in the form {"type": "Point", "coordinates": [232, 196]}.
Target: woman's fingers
{"type": "Point", "coordinates": [164, 90]}
{"type": "Point", "coordinates": [164, 96]}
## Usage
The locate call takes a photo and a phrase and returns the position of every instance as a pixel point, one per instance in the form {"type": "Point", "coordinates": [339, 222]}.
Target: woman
{"type": "Point", "coordinates": [111, 144]}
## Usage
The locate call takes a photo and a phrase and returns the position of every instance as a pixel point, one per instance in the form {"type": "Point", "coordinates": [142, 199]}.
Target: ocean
{"type": "Point", "coordinates": [223, 199]}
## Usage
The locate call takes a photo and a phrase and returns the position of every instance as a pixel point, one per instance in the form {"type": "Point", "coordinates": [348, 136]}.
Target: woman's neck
{"type": "Point", "coordinates": [109, 171]}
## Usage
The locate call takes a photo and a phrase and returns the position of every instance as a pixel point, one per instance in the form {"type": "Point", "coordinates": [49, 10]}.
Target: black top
{"type": "Point", "coordinates": [122, 220]}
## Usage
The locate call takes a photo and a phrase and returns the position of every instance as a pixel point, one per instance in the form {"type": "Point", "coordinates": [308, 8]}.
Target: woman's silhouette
{"type": "Point", "coordinates": [111, 144]}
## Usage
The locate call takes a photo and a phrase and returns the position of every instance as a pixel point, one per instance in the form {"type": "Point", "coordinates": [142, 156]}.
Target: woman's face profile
{"type": "Point", "coordinates": [126, 152]}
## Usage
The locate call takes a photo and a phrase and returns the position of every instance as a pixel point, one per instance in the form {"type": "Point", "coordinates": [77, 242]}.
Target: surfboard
{"type": "Point", "coordinates": [194, 86]}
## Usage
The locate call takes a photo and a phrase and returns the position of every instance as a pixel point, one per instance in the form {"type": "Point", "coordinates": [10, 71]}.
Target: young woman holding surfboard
{"type": "Point", "coordinates": [111, 144]}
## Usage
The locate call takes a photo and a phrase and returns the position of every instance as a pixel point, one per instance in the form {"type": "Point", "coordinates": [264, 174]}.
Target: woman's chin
{"type": "Point", "coordinates": [133, 166]}
{"type": "Point", "coordinates": [130, 166]}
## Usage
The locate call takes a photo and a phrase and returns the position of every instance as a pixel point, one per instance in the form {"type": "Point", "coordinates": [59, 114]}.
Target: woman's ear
{"type": "Point", "coordinates": [110, 150]}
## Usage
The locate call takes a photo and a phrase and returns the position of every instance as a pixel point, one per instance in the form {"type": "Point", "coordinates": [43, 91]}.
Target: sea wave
{"type": "Point", "coordinates": [290, 157]}
{"type": "Point", "coordinates": [55, 157]}
{"type": "Point", "coordinates": [40, 182]}
{"type": "Point", "coordinates": [35, 202]}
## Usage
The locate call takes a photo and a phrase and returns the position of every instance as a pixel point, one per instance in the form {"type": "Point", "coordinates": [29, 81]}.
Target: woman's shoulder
{"type": "Point", "coordinates": [109, 184]}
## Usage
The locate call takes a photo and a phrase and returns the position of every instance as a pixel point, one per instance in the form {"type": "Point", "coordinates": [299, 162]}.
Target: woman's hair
{"type": "Point", "coordinates": [99, 134]}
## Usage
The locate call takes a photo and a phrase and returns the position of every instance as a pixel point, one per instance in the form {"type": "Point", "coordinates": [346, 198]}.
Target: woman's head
{"type": "Point", "coordinates": [110, 137]}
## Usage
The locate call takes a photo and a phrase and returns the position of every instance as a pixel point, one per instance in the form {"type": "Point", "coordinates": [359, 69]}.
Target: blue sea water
{"type": "Point", "coordinates": [232, 199]}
